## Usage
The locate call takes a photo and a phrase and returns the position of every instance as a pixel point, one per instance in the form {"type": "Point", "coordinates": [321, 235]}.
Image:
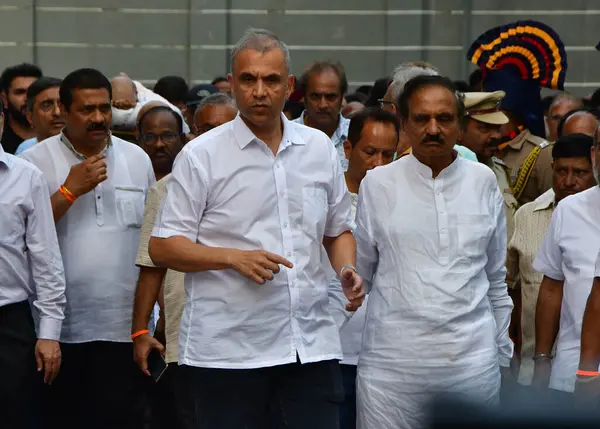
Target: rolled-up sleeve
{"type": "Point", "coordinates": [182, 209]}
{"type": "Point", "coordinates": [367, 254]}
{"type": "Point", "coordinates": [495, 270]}
{"type": "Point", "coordinates": [46, 262]}
{"type": "Point", "coordinates": [339, 214]}
{"type": "Point", "coordinates": [549, 258]}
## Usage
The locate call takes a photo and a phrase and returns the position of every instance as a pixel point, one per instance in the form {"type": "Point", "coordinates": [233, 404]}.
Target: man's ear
{"type": "Point", "coordinates": [4, 100]}
{"type": "Point", "coordinates": [347, 149]}
{"type": "Point", "coordinates": [29, 117]}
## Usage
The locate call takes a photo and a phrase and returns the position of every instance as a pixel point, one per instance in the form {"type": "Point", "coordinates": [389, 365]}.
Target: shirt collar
{"type": "Point", "coordinates": [63, 138]}
{"type": "Point", "coordinates": [544, 201]}
{"type": "Point", "coordinates": [519, 141]}
{"type": "Point", "coordinates": [244, 136]}
{"type": "Point", "coordinates": [425, 170]}
{"type": "Point", "coordinates": [341, 132]}
{"type": "Point", "coordinates": [4, 157]}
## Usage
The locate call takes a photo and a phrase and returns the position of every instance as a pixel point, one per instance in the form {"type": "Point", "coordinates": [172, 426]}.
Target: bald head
{"type": "Point", "coordinates": [580, 123]}
{"type": "Point", "coordinates": [562, 104]}
{"type": "Point", "coordinates": [143, 110]}
{"type": "Point", "coordinates": [124, 91]}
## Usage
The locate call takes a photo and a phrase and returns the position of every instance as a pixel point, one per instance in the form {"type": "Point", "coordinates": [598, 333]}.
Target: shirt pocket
{"type": "Point", "coordinates": [12, 223]}
{"type": "Point", "coordinates": [130, 205]}
{"type": "Point", "coordinates": [474, 234]}
{"type": "Point", "coordinates": [314, 210]}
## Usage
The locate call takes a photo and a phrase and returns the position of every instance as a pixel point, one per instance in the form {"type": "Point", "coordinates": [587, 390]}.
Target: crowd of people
{"type": "Point", "coordinates": [300, 256]}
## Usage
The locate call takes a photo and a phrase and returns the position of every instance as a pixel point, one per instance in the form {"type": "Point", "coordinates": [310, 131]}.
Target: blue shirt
{"type": "Point", "coordinates": [26, 145]}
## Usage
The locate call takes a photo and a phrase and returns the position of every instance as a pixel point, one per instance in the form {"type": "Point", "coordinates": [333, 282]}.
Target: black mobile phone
{"type": "Point", "coordinates": [156, 365]}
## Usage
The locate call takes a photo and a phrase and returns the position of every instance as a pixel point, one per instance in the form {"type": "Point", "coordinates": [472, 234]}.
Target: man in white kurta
{"type": "Point", "coordinates": [432, 253]}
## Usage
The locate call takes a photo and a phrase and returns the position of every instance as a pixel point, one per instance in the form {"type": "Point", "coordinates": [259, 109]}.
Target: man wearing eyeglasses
{"type": "Point", "coordinates": [213, 111]}
{"type": "Point", "coordinates": [43, 111]}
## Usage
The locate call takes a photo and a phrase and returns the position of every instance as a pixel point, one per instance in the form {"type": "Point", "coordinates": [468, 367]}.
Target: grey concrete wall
{"type": "Point", "coordinates": [152, 38]}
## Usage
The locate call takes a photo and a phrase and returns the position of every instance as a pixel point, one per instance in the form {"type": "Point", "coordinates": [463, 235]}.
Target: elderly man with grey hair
{"type": "Point", "coordinates": [402, 74]}
{"type": "Point", "coordinates": [213, 111]}
{"type": "Point", "coordinates": [250, 208]}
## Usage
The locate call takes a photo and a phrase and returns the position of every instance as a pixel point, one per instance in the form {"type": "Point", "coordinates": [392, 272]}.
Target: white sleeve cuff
{"type": "Point", "coordinates": [160, 232]}
{"type": "Point", "coordinates": [49, 329]}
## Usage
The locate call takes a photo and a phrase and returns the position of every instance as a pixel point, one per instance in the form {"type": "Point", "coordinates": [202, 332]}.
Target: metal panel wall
{"type": "Point", "coordinates": [153, 38]}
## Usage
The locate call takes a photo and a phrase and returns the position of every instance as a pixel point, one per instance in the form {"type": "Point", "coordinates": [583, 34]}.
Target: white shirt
{"type": "Point", "coordinates": [228, 190]}
{"type": "Point", "coordinates": [568, 253]}
{"type": "Point", "coordinates": [432, 252]}
{"type": "Point", "coordinates": [30, 262]}
{"type": "Point", "coordinates": [350, 324]}
{"type": "Point", "coordinates": [99, 237]}
{"type": "Point", "coordinates": [339, 136]}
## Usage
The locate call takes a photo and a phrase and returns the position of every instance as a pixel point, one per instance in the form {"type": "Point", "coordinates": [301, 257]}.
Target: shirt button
{"type": "Point", "coordinates": [285, 225]}
{"type": "Point", "coordinates": [99, 197]}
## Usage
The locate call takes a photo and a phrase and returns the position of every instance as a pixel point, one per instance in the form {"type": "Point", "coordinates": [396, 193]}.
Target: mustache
{"type": "Point", "coordinates": [434, 138]}
{"type": "Point", "coordinates": [97, 127]}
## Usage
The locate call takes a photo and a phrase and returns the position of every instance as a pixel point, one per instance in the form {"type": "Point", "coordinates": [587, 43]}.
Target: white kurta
{"type": "Point", "coordinates": [568, 253]}
{"type": "Point", "coordinates": [432, 252]}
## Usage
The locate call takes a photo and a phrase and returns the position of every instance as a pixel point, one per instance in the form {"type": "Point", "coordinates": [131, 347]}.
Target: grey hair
{"type": "Point", "coordinates": [567, 97]}
{"type": "Point", "coordinates": [407, 71]}
{"type": "Point", "coordinates": [218, 99]}
{"type": "Point", "coordinates": [262, 41]}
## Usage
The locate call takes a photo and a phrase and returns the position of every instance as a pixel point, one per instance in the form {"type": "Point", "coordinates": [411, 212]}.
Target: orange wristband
{"type": "Point", "coordinates": [588, 373]}
{"type": "Point", "coordinates": [67, 194]}
{"type": "Point", "coordinates": [139, 333]}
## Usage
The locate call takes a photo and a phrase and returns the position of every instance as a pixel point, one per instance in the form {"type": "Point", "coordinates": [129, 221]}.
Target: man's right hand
{"type": "Point", "coordinates": [142, 346]}
{"type": "Point", "coordinates": [257, 265]}
{"type": "Point", "coordinates": [541, 373]}
{"type": "Point", "coordinates": [86, 175]}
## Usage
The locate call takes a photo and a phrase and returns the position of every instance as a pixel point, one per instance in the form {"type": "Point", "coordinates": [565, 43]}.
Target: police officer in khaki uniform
{"type": "Point", "coordinates": [482, 132]}
{"type": "Point", "coordinates": [520, 58]}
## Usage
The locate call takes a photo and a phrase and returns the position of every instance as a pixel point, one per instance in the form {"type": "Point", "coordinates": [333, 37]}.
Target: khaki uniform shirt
{"type": "Point", "coordinates": [510, 202]}
{"type": "Point", "coordinates": [531, 223]}
{"type": "Point", "coordinates": [173, 283]}
{"type": "Point", "coordinates": [515, 155]}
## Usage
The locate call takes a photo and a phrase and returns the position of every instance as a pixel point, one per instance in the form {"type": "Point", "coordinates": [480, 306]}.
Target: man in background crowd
{"type": "Point", "coordinates": [43, 111]}
{"type": "Point", "coordinates": [174, 89]}
{"type": "Point", "coordinates": [194, 96]}
{"type": "Point", "coordinates": [213, 111]}
{"type": "Point", "coordinates": [567, 259]}
{"type": "Point", "coordinates": [14, 82]}
{"type": "Point", "coordinates": [324, 85]}
{"type": "Point", "coordinates": [562, 104]}
{"type": "Point", "coordinates": [222, 84]}
{"type": "Point", "coordinates": [572, 173]}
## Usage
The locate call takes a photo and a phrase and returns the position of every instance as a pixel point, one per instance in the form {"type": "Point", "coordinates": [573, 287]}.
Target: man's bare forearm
{"type": "Point", "coordinates": [60, 205]}
{"type": "Point", "coordinates": [341, 250]}
{"type": "Point", "coordinates": [183, 255]}
{"type": "Point", "coordinates": [146, 295]}
{"type": "Point", "coordinates": [590, 332]}
{"type": "Point", "coordinates": [547, 314]}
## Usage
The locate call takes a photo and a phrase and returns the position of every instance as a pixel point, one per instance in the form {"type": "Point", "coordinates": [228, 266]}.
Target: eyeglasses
{"type": "Point", "coordinates": [168, 137]}
{"type": "Point", "coordinates": [385, 103]}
